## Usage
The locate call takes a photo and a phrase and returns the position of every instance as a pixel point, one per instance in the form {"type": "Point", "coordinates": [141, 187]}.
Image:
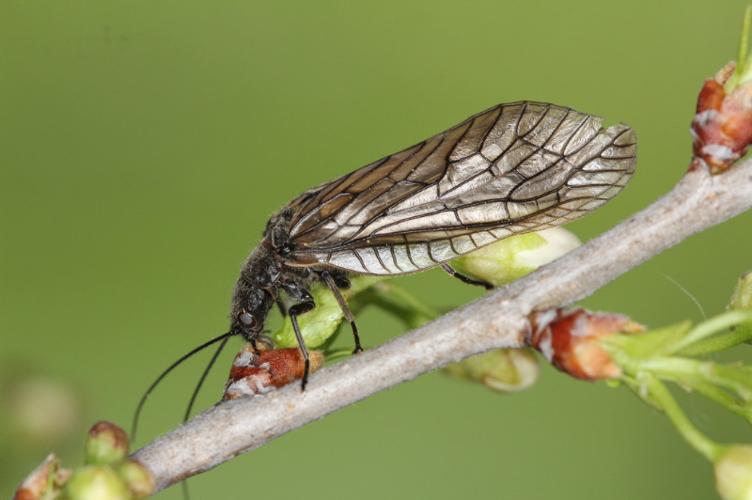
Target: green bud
{"type": "Point", "coordinates": [511, 258]}
{"type": "Point", "coordinates": [137, 477]}
{"type": "Point", "coordinates": [742, 296]}
{"type": "Point", "coordinates": [733, 473]}
{"type": "Point", "coordinates": [106, 444]}
{"type": "Point", "coordinates": [322, 322]}
{"type": "Point", "coordinates": [97, 482]}
{"type": "Point", "coordinates": [503, 370]}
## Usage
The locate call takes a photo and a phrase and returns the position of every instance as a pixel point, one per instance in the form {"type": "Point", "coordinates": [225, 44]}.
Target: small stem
{"type": "Point", "coordinates": [409, 299]}
{"type": "Point", "coordinates": [711, 326]}
{"type": "Point", "coordinates": [742, 64]}
{"type": "Point", "coordinates": [724, 399]}
{"type": "Point", "coordinates": [338, 354]}
{"type": "Point", "coordinates": [744, 42]}
{"type": "Point", "coordinates": [362, 283]}
{"type": "Point", "coordinates": [728, 340]}
{"type": "Point", "coordinates": [692, 375]}
{"type": "Point", "coordinates": [691, 434]}
{"type": "Point", "coordinates": [692, 371]}
{"type": "Point", "coordinates": [402, 304]}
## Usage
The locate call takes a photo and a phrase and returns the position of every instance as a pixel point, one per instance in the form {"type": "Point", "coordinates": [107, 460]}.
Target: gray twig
{"type": "Point", "coordinates": [497, 320]}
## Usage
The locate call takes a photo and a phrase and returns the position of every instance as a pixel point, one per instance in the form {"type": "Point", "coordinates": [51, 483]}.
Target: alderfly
{"type": "Point", "coordinates": [511, 169]}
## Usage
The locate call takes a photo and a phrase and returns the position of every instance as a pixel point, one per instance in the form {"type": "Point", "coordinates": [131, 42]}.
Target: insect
{"type": "Point", "coordinates": [511, 169]}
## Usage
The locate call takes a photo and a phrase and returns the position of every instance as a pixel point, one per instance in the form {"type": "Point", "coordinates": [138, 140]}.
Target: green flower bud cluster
{"type": "Point", "coordinates": [107, 473]}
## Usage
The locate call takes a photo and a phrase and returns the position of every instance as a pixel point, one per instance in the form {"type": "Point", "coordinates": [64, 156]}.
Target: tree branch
{"type": "Point", "coordinates": [497, 320]}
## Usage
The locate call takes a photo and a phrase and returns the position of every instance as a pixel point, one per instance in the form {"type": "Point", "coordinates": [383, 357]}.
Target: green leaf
{"type": "Point", "coordinates": [711, 327]}
{"type": "Point", "coordinates": [743, 70]}
{"type": "Point", "coordinates": [652, 343]}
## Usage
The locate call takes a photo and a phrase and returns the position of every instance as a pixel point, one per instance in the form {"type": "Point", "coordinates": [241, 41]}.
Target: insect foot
{"type": "Point", "coordinates": [570, 340]}
{"type": "Point", "coordinates": [268, 369]}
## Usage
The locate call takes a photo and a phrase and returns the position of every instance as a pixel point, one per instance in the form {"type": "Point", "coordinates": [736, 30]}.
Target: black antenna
{"type": "Point", "coordinates": [137, 413]}
{"type": "Point", "coordinates": [201, 380]}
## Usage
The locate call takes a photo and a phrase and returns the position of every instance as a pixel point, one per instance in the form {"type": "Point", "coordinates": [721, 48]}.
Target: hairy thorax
{"type": "Point", "coordinates": [265, 276]}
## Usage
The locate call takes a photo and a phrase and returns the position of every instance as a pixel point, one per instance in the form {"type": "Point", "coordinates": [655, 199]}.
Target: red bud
{"type": "Point", "coordinates": [722, 126]}
{"type": "Point", "coordinates": [258, 372]}
{"type": "Point", "coordinates": [570, 340]}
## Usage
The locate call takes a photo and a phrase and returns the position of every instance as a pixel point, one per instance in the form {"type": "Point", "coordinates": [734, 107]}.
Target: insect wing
{"type": "Point", "coordinates": [512, 169]}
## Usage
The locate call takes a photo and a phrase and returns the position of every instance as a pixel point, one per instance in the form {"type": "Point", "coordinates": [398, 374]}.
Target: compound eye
{"type": "Point", "coordinates": [247, 319]}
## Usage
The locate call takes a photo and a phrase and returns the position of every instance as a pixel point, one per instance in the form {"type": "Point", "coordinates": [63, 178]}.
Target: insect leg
{"type": "Point", "coordinates": [329, 280]}
{"type": "Point", "coordinates": [295, 311]}
{"type": "Point", "coordinates": [465, 279]}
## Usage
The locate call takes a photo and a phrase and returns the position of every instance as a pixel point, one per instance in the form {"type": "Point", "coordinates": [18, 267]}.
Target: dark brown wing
{"type": "Point", "coordinates": [512, 169]}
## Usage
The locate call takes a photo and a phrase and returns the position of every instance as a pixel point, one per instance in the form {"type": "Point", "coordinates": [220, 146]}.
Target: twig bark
{"type": "Point", "coordinates": [497, 320]}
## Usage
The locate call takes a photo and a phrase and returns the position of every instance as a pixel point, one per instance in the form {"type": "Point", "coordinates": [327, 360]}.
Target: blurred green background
{"type": "Point", "coordinates": [143, 145]}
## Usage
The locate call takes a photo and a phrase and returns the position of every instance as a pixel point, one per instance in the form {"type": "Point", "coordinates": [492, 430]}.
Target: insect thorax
{"type": "Point", "coordinates": [258, 284]}
{"type": "Point", "coordinates": [277, 232]}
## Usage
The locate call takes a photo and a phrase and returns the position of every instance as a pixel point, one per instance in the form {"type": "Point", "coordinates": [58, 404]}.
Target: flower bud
{"type": "Point", "coordinates": [288, 365]}
{"type": "Point", "coordinates": [733, 473]}
{"type": "Point", "coordinates": [263, 371]}
{"type": "Point", "coordinates": [511, 258]}
{"type": "Point", "coordinates": [107, 443]}
{"type": "Point", "coordinates": [137, 477]}
{"type": "Point", "coordinates": [722, 127]}
{"type": "Point", "coordinates": [742, 296]}
{"type": "Point", "coordinates": [97, 482]}
{"type": "Point", "coordinates": [45, 481]}
{"type": "Point", "coordinates": [503, 370]}
{"type": "Point", "coordinates": [570, 340]}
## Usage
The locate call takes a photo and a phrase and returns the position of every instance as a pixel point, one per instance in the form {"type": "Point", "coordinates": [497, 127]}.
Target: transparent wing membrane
{"type": "Point", "coordinates": [512, 169]}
